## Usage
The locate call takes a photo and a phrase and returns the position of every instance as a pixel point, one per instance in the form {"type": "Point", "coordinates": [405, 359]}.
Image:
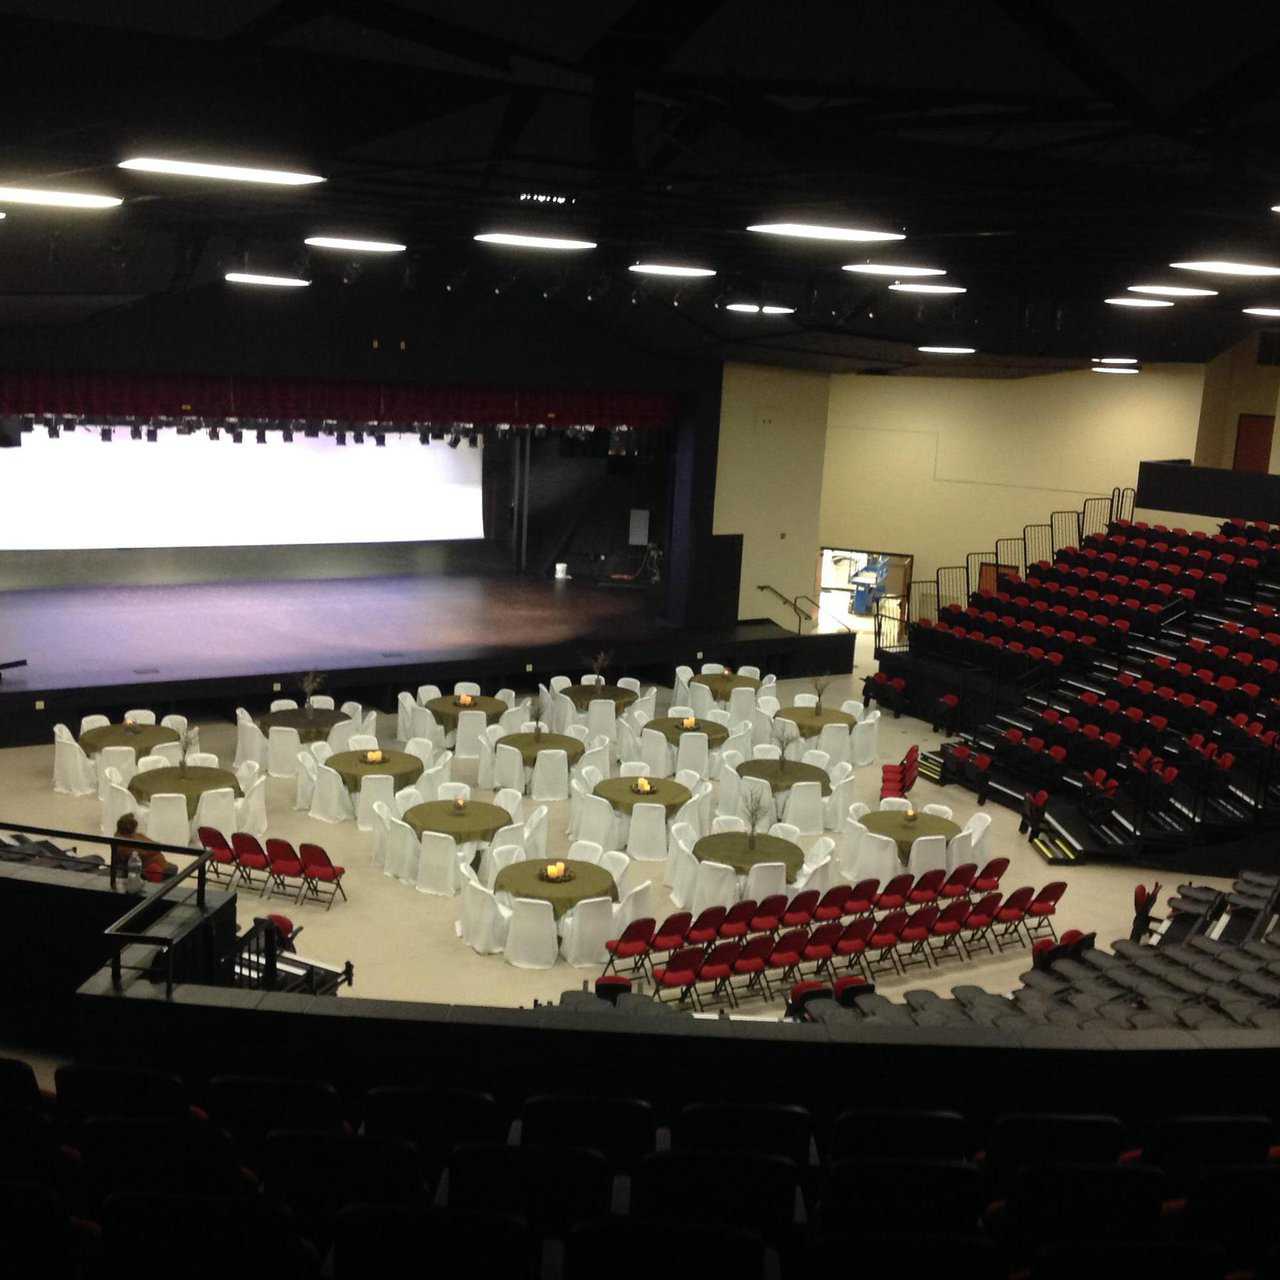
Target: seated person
{"type": "Point", "coordinates": [155, 866]}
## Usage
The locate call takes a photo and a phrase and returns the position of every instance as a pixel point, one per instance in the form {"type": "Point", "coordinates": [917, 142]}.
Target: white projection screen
{"type": "Point", "coordinates": [78, 492]}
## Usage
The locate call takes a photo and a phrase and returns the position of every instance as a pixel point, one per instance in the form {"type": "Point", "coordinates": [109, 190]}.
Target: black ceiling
{"type": "Point", "coordinates": [1046, 153]}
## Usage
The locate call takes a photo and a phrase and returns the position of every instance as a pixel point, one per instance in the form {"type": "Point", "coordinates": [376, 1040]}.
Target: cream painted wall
{"type": "Point", "coordinates": [773, 426]}
{"type": "Point", "coordinates": [1234, 383]}
{"type": "Point", "coordinates": [938, 467]}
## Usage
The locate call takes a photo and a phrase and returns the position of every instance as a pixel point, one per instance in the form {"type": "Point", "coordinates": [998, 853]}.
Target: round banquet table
{"type": "Point", "coordinates": [142, 738]}
{"type": "Point", "coordinates": [446, 710]}
{"type": "Point", "coordinates": [312, 727]}
{"type": "Point", "coordinates": [730, 848]}
{"type": "Point", "coordinates": [893, 823]}
{"type": "Point", "coordinates": [193, 783]}
{"type": "Point", "coordinates": [673, 729]}
{"type": "Point", "coordinates": [666, 792]}
{"type": "Point", "coordinates": [352, 768]}
{"type": "Point", "coordinates": [521, 880]}
{"type": "Point", "coordinates": [722, 686]}
{"type": "Point", "coordinates": [582, 695]}
{"type": "Point", "coordinates": [529, 746]}
{"type": "Point", "coordinates": [782, 777]}
{"type": "Point", "coordinates": [475, 822]}
{"type": "Point", "coordinates": [810, 720]}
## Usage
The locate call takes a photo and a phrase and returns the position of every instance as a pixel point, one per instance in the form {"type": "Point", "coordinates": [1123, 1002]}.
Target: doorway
{"type": "Point", "coordinates": [1253, 442]}
{"type": "Point", "coordinates": [852, 582]}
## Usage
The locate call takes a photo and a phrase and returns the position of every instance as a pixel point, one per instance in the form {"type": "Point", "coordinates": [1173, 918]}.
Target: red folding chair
{"type": "Point", "coordinates": [915, 937]}
{"type": "Point", "coordinates": [632, 945]}
{"type": "Point", "coordinates": [787, 953]}
{"type": "Point", "coordinates": [978, 924]}
{"type": "Point", "coordinates": [679, 974]}
{"type": "Point", "coordinates": [1041, 909]}
{"type": "Point", "coordinates": [800, 909]}
{"type": "Point", "coordinates": [925, 891]}
{"type": "Point", "coordinates": [668, 936]}
{"type": "Point", "coordinates": [895, 893]}
{"type": "Point", "coordinates": [283, 866]}
{"type": "Point", "coordinates": [717, 969]}
{"type": "Point", "coordinates": [945, 934]}
{"type": "Point", "coordinates": [862, 898]}
{"type": "Point", "coordinates": [737, 921]}
{"type": "Point", "coordinates": [1010, 918]}
{"type": "Point", "coordinates": [768, 916]}
{"type": "Point", "coordinates": [820, 950]}
{"type": "Point", "coordinates": [222, 865]}
{"type": "Point", "coordinates": [706, 928]}
{"type": "Point", "coordinates": [751, 964]}
{"type": "Point", "coordinates": [959, 884]}
{"type": "Point", "coordinates": [988, 879]}
{"type": "Point", "coordinates": [322, 875]}
{"type": "Point", "coordinates": [853, 942]}
{"type": "Point", "coordinates": [832, 906]}
{"type": "Point", "coordinates": [249, 858]}
{"type": "Point", "coordinates": [883, 944]}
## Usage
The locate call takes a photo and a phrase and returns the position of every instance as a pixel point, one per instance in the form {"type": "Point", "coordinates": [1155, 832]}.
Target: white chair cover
{"type": "Point", "coordinates": [647, 838]}
{"type": "Point", "coordinates": [453, 791]}
{"type": "Point", "coordinates": [251, 743]}
{"type": "Point", "coordinates": [374, 787]}
{"type": "Point", "coordinates": [353, 711]}
{"type": "Point", "coordinates": [585, 851]}
{"type": "Point", "coordinates": [680, 685]}
{"type": "Point", "coordinates": [693, 753]}
{"type": "Point", "coordinates": [630, 683]}
{"type": "Point", "coordinates": [837, 805]}
{"type": "Point", "coordinates": [116, 802]}
{"type": "Point", "coordinates": [340, 735]}
{"type": "Point", "coordinates": [122, 759]}
{"type": "Point", "coordinates": [508, 768]}
{"type": "Point", "coordinates": [596, 821]}
{"type": "Point", "coordinates": [859, 810]}
{"type": "Point", "coordinates": [422, 749]}
{"type": "Point", "coordinates": [701, 701]}
{"type": "Point", "coordinates": [305, 783]}
{"type": "Point", "coordinates": [169, 752]}
{"type": "Point", "coordinates": [597, 758]}
{"type": "Point", "coordinates": [877, 858]}
{"type": "Point", "coordinates": [284, 704]}
{"type": "Point", "coordinates": [509, 799]}
{"type": "Point", "coordinates": [216, 809]}
{"type": "Point", "coordinates": [928, 853]}
{"type": "Point", "coordinates": [73, 772]}
{"type": "Point", "coordinates": [834, 740]}
{"type": "Point", "coordinates": [602, 718]}
{"type": "Point", "coordinates": [203, 760]}
{"type": "Point", "coordinates": [405, 799]}
{"type": "Point", "coordinates": [711, 669]}
{"type": "Point", "coordinates": [820, 877]}
{"type": "Point", "coordinates": [616, 863]}
{"type": "Point", "coordinates": [759, 787]}
{"type": "Point", "coordinates": [702, 793]}
{"type": "Point", "coordinates": [894, 804]}
{"type": "Point", "coordinates": [587, 926]}
{"type": "Point", "coordinates": [550, 776]}
{"type": "Point", "coordinates": [804, 808]}
{"type": "Point", "coordinates": [684, 877]}
{"type": "Point", "coordinates": [403, 852]}
{"type": "Point", "coordinates": [785, 831]}
{"type": "Point", "coordinates": [283, 745]}
{"type": "Point", "coordinates": [431, 781]}
{"type": "Point", "coordinates": [466, 686]}
{"type": "Point", "coordinates": [423, 724]}
{"type": "Point", "coordinates": [437, 865]}
{"type": "Point", "coordinates": [765, 879]}
{"type": "Point", "coordinates": [717, 885]}
{"type": "Point", "coordinates": [730, 789]}
{"type": "Point", "coordinates": [865, 744]}
{"type": "Point", "coordinates": [471, 724]}
{"type": "Point", "coordinates": [979, 825]}
{"type": "Point", "coordinates": [535, 833]}
{"type": "Point", "coordinates": [960, 850]}
{"type": "Point", "coordinates": [483, 922]}
{"type": "Point", "coordinates": [381, 830]}
{"type": "Point", "coordinates": [633, 769]}
{"type": "Point", "coordinates": [167, 821]}
{"type": "Point", "coordinates": [766, 751]}
{"type": "Point", "coordinates": [484, 762]}
{"type": "Point", "coordinates": [404, 715]}
{"type": "Point", "coordinates": [428, 692]}
{"type": "Point", "coordinates": [92, 722]}
{"type": "Point", "coordinates": [513, 721]}
{"type": "Point", "coordinates": [635, 905]}
{"type": "Point", "coordinates": [579, 731]}
{"type": "Point", "coordinates": [727, 822]}
{"type": "Point", "coordinates": [331, 801]}
{"type": "Point", "coordinates": [655, 752]}
{"type": "Point", "coordinates": [850, 843]}
{"type": "Point", "coordinates": [742, 703]}
{"type": "Point", "coordinates": [852, 707]}
{"type": "Point", "coordinates": [140, 715]}
{"type": "Point", "coordinates": [497, 856]}
{"type": "Point", "coordinates": [531, 935]}
{"type": "Point", "coordinates": [362, 742]}
{"type": "Point", "coordinates": [175, 722]}
{"type": "Point", "coordinates": [251, 812]}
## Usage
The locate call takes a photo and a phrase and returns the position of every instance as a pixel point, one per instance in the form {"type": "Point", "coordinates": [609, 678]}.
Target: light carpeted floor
{"type": "Point", "coordinates": [403, 943]}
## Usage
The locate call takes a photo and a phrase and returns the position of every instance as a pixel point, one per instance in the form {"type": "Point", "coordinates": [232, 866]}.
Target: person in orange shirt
{"type": "Point", "coordinates": [155, 866]}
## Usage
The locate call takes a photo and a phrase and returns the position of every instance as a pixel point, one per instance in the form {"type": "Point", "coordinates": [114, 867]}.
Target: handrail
{"type": "Point", "coordinates": [801, 616]}
{"type": "Point", "coordinates": [819, 609]}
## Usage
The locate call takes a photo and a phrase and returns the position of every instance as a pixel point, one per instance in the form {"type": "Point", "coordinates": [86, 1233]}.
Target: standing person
{"type": "Point", "coordinates": [155, 866]}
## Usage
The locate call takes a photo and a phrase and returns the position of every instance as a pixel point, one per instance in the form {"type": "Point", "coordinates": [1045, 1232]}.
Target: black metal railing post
{"type": "Point", "coordinates": [270, 943]}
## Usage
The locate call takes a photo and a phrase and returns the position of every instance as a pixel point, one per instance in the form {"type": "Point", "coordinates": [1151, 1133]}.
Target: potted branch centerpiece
{"type": "Point", "coordinates": [189, 741]}
{"type": "Point", "coordinates": [312, 683]}
{"type": "Point", "coordinates": [783, 733]}
{"type": "Point", "coordinates": [754, 808]}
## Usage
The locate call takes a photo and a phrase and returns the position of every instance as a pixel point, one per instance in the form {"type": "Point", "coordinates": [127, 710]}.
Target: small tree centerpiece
{"type": "Point", "coordinates": [188, 740]}
{"type": "Point", "coordinates": [600, 664]}
{"type": "Point", "coordinates": [820, 685]}
{"type": "Point", "coordinates": [783, 733]}
{"type": "Point", "coordinates": [754, 807]}
{"type": "Point", "coordinates": [312, 683]}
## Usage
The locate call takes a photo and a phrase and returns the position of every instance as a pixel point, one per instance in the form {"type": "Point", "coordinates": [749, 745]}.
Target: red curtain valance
{"type": "Point", "coordinates": [106, 395]}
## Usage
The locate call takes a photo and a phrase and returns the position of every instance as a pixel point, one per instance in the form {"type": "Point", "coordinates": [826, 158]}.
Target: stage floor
{"type": "Point", "coordinates": [90, 637]}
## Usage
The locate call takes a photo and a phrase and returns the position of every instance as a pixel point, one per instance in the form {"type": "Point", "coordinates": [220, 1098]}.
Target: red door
{"type": "Point", "coordinates": [1253, 442]}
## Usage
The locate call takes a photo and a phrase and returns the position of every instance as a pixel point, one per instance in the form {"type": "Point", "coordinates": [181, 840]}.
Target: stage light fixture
{"type": "Point", "coordinates": [1115, 359]}
{"type": "Point", "coordinates": [341, 437]}
{"type": "Point", "coordinates": [105, 433]}
{"type": "Point", "coordinates": [1261, 311]}
{"type": "Point", "coordinates": [221, 172]}
{"type": "Point", "coordinates": [355, 246]}
{"type": "Point", "coordinates": [380, 439]}
{"type": "Point", "coordinates": [518, 241]}
{"type": "Point", "coordinates": [287, 433]}
{"type": "Point", "coordinates": [898, 270]}
{"type": "Point", "coordinates": [152, 435]}
{"type": "Point", "coordinates": [1172, 291]}
{"type": "Point", "coordinates": [261, 436]}
{"type": "Point", "coordinates": [670, 269]}
{"type": "Point", "coordinates": [454, 440]}
{"type": "Point", "coordinates": [816, 231]}
{"type": "Point", "coordinates": [927, 288]}
{"type": "Point", "coordinates": [135, 433]}
{"type": "Point", "coordinates": [214, 433]}
{"type": "Point", "coordinates": [237, 436]}
{"type": "Point", "coordinates": [54, 431]}
{"type": "Point", "coordinates": [1137, 302]}
{"type": "Point", "coordinates": [274, 282]}
{"type": "Point", "coordinates": [357, 437]}
{"type": "Point", "coordinates": [949, 351]}
{"type": "Point", "coordinates": [1227, 267]}
{"type": "Point", "coordinates": [57, 199]}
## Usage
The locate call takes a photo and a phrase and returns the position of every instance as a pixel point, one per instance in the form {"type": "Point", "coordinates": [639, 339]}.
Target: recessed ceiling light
{"type": "Point", "coordinates": [949, 351]}
{"type": "Point", "coordinates": [1262, 311]}
{"type": "Point", "coordinates": [1112, 368]}
{"type": "Point", "coordinates": [355, 246]}
{"type": "Point", "coordinates": [928, 288]}
{"type": "Point", "coordinates": [771, 310]}
{"type": "Point", "coordinates": [1224, 267]}
{"type": "Point", "coordinates": [277, 282]}
{"type": "Point", "coordinates": [1115, 359]}
{"type": "Point", "coordinates": [815, 231]}
{"type": "Point", "coordinates": [1138, 302]}
{"type": "Point", "coordinates": [1173, 291]}
{"type": "Point", "coordinates": [747, 308]}
{"type": "Point", "coordinates": [897, 270]}
{"type": "Point", "coordinates": [668, 269]}
{"type": "Point", "coordinates": [221, 172]}
{"type": "Point", "coordinates": [533, 242]}
{"type": "Point", "coordinates": [57, 199]}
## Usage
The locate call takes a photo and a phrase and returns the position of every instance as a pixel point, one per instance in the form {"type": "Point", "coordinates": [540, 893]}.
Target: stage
{"type": "Point", "coordinates": [169, 647]}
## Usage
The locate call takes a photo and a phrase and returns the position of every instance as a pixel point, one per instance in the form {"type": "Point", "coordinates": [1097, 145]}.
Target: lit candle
{"type": "Point", "coordinates": [459, 802]}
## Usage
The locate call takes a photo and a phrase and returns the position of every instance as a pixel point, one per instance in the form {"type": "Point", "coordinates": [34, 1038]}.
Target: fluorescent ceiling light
{"type": "Point", "coordinates": [57, 199]}
{"type": "Point", "coordinates": [1111, 368]}
{"type": "Point", "coordinates": [1115, 359]}
{"type": "Point", "coordinates": [747, 308]}
{"type": "Point", "coordinates": [668, 269]}
{"type": "Point", "coordinates": [771, 310]}
{"type": "Point", "coordinates": [278, 282]}
{"type": "Point", "coordinates": [355, 246]}
{"type": "Point", "coordinates": [533, 242]}
{"type": "Point", "coordinates": [815, 231]}
{"type": "Point", "coordinates": [898, 271]}
{"type": "Point", "coordinates": [1224, 267]}
{"type": "Point", "coordinates": [1262, 311]}
{"type": "Point", "coordinates": [949, 351]}
{"type": "Point", "coordinates": [1173, 291]}
{"type": "Point", "coordinates": [221, 172]}
{"type": "Point", "coordinates": [928, 288]}
{"type": "Point", "coordinates": [1138, 302]}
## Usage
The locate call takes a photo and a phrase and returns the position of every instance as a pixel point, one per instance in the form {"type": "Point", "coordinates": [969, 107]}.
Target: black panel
{"type": "Point", "coordinates": [1207, 491]}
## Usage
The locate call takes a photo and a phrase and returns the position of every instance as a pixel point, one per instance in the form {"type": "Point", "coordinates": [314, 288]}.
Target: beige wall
{"type": "Point", "coordinates": [773, 425]}
{"type": "Point", "coordinates": [1234, 383]}
{"type": "Point", "coordinates": [940, 467]}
